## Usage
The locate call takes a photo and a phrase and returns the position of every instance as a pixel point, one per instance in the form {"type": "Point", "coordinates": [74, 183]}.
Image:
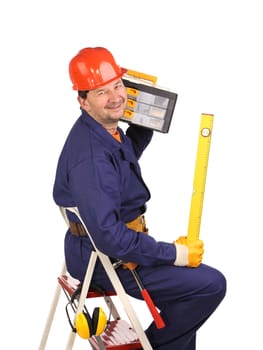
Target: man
{"type": "Point", "coordinates": [98, 172]}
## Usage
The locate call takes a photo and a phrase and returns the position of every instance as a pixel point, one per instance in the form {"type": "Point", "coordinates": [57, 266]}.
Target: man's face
{"type": "Point", "coordinates": [106, 104]}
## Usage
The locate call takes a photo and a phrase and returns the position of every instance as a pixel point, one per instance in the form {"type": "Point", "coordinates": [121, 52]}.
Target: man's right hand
{"type": "Point", "coordinates": [188, 253]}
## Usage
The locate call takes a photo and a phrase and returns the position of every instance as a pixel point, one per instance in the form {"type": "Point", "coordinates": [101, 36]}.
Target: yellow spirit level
{"type": "Point", "coordinates": [201, 165]}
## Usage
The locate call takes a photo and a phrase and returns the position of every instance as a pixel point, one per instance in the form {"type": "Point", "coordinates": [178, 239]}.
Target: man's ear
{"type": "Point", "coordinates": [84, 104]}
{"type": "Point", "coordinates": [81, 102]}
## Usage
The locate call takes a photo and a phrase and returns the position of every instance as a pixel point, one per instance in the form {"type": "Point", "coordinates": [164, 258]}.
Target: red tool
{"type": "Point", "coordinates": [146, 296]}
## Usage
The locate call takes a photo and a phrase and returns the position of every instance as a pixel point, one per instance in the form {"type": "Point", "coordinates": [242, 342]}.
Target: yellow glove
{"type": "Point", "coordinates": [188, 253]}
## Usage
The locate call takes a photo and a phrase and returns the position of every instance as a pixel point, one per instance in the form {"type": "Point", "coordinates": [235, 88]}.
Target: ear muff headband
{"type": "Point", "coordinates": [86, 326]}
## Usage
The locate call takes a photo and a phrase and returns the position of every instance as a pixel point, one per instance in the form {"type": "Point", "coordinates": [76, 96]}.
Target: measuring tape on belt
{"type": "Point", "coordinates": [201, 165]}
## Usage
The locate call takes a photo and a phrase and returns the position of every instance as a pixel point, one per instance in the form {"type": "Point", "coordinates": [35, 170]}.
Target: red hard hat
{"type": "Point", "coordinates": [92, 68]}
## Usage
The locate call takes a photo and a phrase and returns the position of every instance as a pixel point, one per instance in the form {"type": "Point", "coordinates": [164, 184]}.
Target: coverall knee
{"type": "Point", "coordinates": [186, 297]}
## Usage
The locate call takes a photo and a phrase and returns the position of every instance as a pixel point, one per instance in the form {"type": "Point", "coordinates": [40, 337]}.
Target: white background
{"type": "Point", "coordinates": [210, 53]}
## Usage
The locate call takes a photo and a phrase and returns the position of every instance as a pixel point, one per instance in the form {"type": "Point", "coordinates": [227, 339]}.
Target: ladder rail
{"type": "Point", "coordinates": [116, 284]}
{"type": "Point", "coordinates": [83, 295]}
{"type": "Point", "coordinates": [51, 313]}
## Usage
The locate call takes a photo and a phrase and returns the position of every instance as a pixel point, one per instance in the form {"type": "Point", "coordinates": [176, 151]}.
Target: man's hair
{"type": "Point", "coordinates": [83, 94]}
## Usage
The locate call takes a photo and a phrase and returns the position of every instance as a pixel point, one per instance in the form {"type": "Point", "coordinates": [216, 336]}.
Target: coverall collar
{"type": "Point", "coordinates": [109, 140]}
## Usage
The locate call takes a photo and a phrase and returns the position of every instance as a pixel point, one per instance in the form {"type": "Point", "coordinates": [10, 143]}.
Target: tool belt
{"type": "Point", "coordinates": [77, 229]}
{"type": "Point", "coordinates": [138, 225]}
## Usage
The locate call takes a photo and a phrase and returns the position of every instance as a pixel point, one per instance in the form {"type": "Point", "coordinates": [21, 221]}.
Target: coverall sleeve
{"type": "Point", "coordinates": [140, 137]}
{"type": "Point", "coordinates": [96, 191]}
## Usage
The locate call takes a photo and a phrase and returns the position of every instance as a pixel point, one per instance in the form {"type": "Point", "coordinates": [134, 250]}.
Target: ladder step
{"type": "Point", "coordinates": [70, 284]}
{"type": "Point", "coordinates": [119, 335]}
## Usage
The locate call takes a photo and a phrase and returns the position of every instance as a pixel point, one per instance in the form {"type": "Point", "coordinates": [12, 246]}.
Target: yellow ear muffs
{"type": "Point", "coordinates": [83, 326]}
{"type": "Point", "coordinates": [86, 326]}
{"type": "Point", "coordinates": [99, 321]}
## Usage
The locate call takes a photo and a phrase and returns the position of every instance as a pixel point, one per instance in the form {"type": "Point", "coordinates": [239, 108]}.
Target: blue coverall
{"type": "Point", "coordinates": [103, 179]}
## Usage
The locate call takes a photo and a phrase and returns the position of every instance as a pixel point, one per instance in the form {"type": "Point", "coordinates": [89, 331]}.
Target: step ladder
{"type": "Point", "coordinates": [119, 334]}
